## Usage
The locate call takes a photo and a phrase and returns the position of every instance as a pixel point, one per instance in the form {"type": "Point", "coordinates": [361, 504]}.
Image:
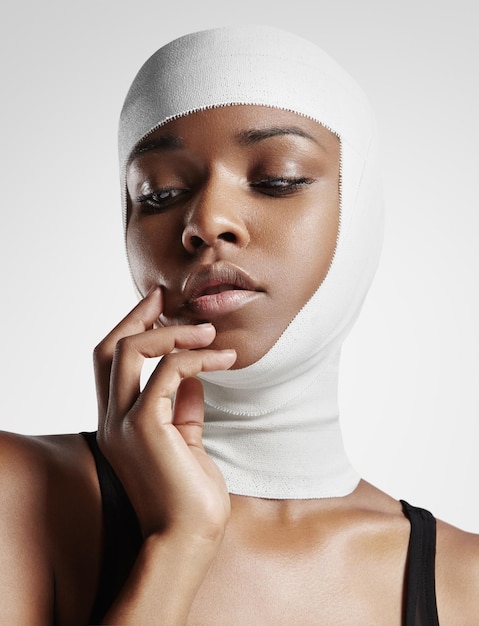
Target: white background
{"type": "Point", "coordinates": [409, 391]}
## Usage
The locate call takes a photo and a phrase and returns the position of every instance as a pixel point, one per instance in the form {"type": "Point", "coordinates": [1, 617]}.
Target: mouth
{"type": "Point", "coordinates": [219, 289]}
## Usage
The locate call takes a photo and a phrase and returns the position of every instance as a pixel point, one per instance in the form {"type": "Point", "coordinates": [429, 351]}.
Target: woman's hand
{"type": "Point", "coordinates": [156, 449]}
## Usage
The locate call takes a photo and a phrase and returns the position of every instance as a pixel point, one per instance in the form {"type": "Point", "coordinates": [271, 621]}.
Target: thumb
{"type": "Point", "coordinates": [188, 415]}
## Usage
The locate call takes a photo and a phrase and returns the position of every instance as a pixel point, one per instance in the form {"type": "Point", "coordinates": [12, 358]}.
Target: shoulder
{"type": "Point", "coordinates": [23, 472]}
{"type": "Point", "coordinates": [48, 493]}
{"type": "Point", "coordinates": [457, 575]}
{"type": "Point", "coordinates": [28, 464]}
{"type": "Point", "coordinates": [47, 479]}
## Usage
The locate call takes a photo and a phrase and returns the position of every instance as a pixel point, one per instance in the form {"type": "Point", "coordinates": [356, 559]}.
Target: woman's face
{"type": "Point", "coordinates": [234, 212]}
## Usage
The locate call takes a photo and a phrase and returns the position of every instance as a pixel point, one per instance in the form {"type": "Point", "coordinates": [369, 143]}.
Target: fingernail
{"type": "Point", "coordinates": [229, 352]}
{"type": "Point", "coordinates": [205, 325]}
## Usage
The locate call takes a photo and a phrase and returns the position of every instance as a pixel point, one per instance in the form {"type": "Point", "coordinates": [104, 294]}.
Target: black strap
{"type": "Point", "coordinates": [421, 607]}
{"type": "Point", "coordinates": [122, 541]}
{"type": "Point", "coordinates": [121, 533]}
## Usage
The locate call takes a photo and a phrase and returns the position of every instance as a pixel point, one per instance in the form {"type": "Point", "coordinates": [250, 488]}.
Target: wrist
{"type": "Point", "coordinates": [187, 546]}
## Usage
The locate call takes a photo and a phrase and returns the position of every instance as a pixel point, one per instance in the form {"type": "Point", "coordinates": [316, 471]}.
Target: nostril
{"type": "Point", "coordinates": [196, 241]}
{"type": "Point", "coordinates": [230, 237]}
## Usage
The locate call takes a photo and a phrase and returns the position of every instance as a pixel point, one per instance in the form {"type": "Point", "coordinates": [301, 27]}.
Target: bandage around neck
{"type": "Point", "coordinates": [273, 427]}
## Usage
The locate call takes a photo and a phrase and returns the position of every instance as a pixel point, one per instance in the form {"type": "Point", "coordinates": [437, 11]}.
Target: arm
{"type": "Point", "coordinates": [178, 493]}
{"type": "Point", "coordinates": [26, 577]}
{"type": "Point", "coordinates": [164, 582]}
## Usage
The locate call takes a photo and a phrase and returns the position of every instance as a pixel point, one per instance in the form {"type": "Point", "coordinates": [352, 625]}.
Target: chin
{"type": "Point", "coordinates": [250, 341]}
{"type": "Point", "coordinates": [248, 349]}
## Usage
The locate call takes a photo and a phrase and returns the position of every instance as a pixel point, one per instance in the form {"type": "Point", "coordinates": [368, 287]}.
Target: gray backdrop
{"type": "Point", "coordinates": [409, 392]}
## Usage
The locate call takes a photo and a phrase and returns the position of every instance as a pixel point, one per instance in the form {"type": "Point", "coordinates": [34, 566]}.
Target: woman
{"type": "Point", "coordinates": [253, 221]}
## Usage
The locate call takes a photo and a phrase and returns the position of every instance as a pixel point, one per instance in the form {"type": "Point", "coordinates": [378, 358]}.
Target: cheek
{"type": "Point", "coordinates": [142, 257]}
{"type": "Point", "coordinates": [310, 246]}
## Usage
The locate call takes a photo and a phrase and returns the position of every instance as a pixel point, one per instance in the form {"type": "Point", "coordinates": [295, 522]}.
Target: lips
{"type": "Point", "coordinates": [218, 289]}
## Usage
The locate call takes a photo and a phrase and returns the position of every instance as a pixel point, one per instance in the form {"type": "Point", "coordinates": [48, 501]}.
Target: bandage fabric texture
{"type": "Point", "coordinates": [273, 427]}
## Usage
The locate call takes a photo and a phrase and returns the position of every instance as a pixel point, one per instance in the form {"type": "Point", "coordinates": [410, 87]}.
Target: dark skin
{"type": "Point", "coordinates": [259, 193]}
{"type": "Point", "coordinates": [210, 558]}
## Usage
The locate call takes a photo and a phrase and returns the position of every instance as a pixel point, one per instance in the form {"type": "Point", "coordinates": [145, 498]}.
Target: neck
{"type": "Point", "coordinates": [279, 437]}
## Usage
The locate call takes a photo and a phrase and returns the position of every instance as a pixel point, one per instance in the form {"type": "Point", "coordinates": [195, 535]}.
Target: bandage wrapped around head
{"type": "Point", "coordinates": [273, 427]}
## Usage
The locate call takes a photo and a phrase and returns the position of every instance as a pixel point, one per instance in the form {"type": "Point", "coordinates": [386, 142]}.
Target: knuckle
{"type": "Point", "coordinates": [124, 345]}
{"type": "Point", "coordinates": [182, 362]}
{"type": "Point", "coordinates": [137, 427]}
{"type": "Point", "coordinates": [100, 352]}
{"type": "Point", "coordinates": [141, 426]}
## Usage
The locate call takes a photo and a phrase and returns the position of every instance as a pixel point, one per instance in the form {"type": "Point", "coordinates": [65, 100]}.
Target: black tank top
{"type": "Point", "coordinates": [122, 541]}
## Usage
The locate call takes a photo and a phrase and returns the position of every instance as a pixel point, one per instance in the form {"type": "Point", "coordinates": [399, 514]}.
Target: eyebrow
{"type": "Point", "coordinates": [164, 143]}
{"type": "Point", "coordinates": [247, 138]}
{"type": "Point", "coordinates": [254, 136]}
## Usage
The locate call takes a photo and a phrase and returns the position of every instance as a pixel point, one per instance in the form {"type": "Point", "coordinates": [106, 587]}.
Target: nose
{"type": "Point", "coordinates": [215, 218]}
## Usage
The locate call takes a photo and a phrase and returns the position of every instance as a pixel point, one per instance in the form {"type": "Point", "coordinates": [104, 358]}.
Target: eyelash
{"type": "Point", "coordinates": [274, 186]}
{"type": "Point", "coordinates": [285, 187]}
{"type": "Point", "coordinates": [153, 203]}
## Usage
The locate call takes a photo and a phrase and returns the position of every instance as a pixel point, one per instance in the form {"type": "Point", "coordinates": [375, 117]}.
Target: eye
{"type": "Point", "coordinates": [278, 186]}
{"type": "Point", "coordinates": [159, 200]}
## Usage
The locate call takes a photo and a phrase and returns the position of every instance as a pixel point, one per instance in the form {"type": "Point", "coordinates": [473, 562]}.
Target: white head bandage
{"type": "Point", "coordinates": [273, 427]}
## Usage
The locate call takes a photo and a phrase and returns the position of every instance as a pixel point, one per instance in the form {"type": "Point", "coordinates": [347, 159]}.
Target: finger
{"type": "Point", "coordinates": [169, 373]}
{"type": "Point", "coordinates": [130, 353]}
{"type": "Point", "coordinates": [188, 415]}
{"type": "Point", "coordinates": [138, 320]}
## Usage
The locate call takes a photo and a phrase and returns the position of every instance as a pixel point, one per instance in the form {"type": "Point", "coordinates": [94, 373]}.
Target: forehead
{"type": "Point", "coordinates": [244, 125]}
